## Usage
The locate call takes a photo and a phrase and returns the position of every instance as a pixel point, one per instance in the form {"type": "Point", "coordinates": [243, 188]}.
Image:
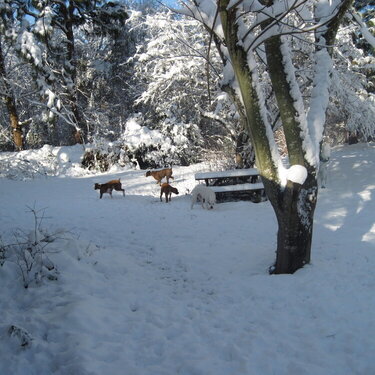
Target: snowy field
{"type": "Point", "coordinates": [149, 288]}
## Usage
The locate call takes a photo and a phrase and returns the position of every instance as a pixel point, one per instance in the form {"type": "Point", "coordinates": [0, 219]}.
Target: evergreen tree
{"type": "Point", "coordinates": [56, 26]}
{"type": "Point", "coordinates": [7, 24]}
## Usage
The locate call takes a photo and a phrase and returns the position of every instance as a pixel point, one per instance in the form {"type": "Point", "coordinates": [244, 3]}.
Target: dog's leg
{"type": "Point", "coordinates": [193, 200]}
{"type": "Point", "coordinates": [203, 201]}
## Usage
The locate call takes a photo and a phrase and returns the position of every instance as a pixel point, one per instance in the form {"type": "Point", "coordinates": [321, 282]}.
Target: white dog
{"type": "Point", "coordinates": [205, 195]}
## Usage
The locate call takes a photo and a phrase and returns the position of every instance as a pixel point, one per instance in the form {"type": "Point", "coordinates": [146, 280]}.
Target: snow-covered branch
{"type": "Point", "coordinates": [364, 29]}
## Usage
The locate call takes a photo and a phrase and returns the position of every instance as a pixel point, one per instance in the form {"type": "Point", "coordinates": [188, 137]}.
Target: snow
{"type": "Point", "coordinates": [43, 25]}
{"type": "Point", "coordinates": [316, 115]}
{"type": "Point", "coordinates": [144, 287]}
{"type": "Point", "coordinates": [30, 48]}
{"type": "Point", "coordinates": [276, 159]}
{"type": "Point", "coordinates": [364, 30]}
{"type": "Point", "coordinates": [238, 187]}
{"type": "Point", "coordinates": [229, 173]}
{"type": "Point", "coordinates": [297, 100]}
{"type": "Point", "coordinates": [136, 134]}
{"type": "Point", "coordinates": [297, 173]}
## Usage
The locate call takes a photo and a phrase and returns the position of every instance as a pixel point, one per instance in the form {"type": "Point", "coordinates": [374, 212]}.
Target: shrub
{"type": "Point", "coordinates": [29, 252]}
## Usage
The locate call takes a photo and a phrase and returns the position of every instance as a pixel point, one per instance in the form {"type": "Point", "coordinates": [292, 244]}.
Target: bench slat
{"type": "Point", "coordinates": [230, 173]}
{"type": "Point", "coordinates": [238, 187]}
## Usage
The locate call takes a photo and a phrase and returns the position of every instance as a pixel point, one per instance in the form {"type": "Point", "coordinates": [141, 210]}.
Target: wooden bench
{"type": "Point", "coordinates": [234, 185]}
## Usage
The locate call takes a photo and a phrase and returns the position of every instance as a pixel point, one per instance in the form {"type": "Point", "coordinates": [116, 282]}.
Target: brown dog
{"type": "Point", "coordinates": [160, 174]}
{"type": "Point", "coordinates": [109, 186]}
{"type": "Point", "coordinates": [167, 190]}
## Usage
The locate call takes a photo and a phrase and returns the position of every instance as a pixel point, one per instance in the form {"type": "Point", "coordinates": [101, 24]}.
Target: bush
{"type": "Point", "coordinates": [174, 144]}
{"type": "Point", "coordinates": [30, 252]}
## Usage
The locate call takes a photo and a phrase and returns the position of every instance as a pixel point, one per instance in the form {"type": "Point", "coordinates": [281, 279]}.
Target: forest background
{"type": "Point", "coordinates": [108, 75]}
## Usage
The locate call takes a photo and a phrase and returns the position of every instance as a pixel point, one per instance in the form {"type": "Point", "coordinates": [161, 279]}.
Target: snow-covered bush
{"type": "Point", "coordinates": [2, 252]}
{"type": "Point", "coordinates": [30, 252]}
{"type": "Point", "coordinates": [21, 335]}
{"type": "Point", "coordinates": [103, 157]}
{"type": "Point", "coordinates": [43, 162]}
{"type": "Point", "coordinates": [174, 143]}
{"type": "Point", "coordinates": [21, 168]}
{"type": "Point", "coordinates": [144, 147]}
{"type": "Point", "coordinates": [95, 160]}
{"type": "Point", "coordinates": [6, 143]}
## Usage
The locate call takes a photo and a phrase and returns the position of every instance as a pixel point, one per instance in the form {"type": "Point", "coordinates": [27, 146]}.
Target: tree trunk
{"type": "Point", "coordinates": [79, 131]}
{"type": "Point", "coordinates": [294, 210]}
{"type": "Point", "coordinates": [14, 123]}
{"type": "Point", "coordinates": [294, 205]}
{"type": "Point", "coordinates": [255, 126]}
{"type": "Point", "coordinates": [282, 88]}
{"type": "Point", "coordinates": [17, 134]}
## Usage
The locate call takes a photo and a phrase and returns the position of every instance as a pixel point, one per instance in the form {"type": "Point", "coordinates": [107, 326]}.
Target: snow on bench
{"type": "Point", "coordinates": [231, 173]}
{"type": "Point", "coordinates": [238, 187]}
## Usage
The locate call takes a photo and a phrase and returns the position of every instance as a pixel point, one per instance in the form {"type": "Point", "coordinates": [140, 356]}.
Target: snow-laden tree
{"type": "Point", "coordinates": [22, 71]}
{"type": "Point", "coordinates": [7, 33]}
{"type": "Point", "coordinates": [55, 26]}
{"type": "Point", "coordinates": [253, 33]}
{"type": "Point", "coordinates": [351, 110]}
{"type": "Point", "coordinates": [144, 6]}
{"type": "Point", "coordinates": [102, 80]}
{"type": "Point", "coordinates": [365, 16]}
{"type": "Point", "coordinates": [177, 82]}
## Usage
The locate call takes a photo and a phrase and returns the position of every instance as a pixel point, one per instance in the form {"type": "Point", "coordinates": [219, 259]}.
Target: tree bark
{"type": "Point", "coordinates": [10, 102]}
{"type": "Point", "coordinates": [79, 131]}
{"type": "Point", "coordinates": [254, 123]}
{"type": "Point", "coordinates": [295, 217]}
{"type": "Point", "coordinates": [285, 102]}
{"type": "Point", "coordinates": [295, 206]}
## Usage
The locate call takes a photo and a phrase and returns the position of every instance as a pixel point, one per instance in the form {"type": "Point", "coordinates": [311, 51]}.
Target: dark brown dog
{"type": "Point", "coordinates": [109, 186]}
{"type": "Point", "coordinates": [167, 190]}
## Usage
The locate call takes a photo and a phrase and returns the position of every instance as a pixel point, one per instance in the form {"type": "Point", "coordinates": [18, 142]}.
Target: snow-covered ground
{"type": "Point", "coordinates": [149, 288]}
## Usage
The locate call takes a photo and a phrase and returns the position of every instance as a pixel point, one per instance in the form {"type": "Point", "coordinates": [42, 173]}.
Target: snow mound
{"type": "Point", "coordinates": [43, 162]}
{"type": "Point", "coordinates": [297, 174]}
